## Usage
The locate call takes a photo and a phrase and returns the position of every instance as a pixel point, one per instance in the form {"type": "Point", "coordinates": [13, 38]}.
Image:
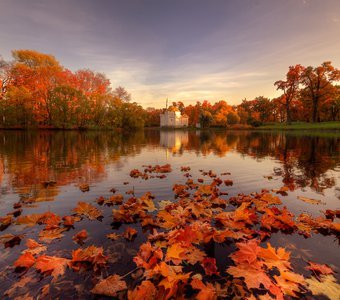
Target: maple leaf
{"type": "Point", "coordinates": [84, 187]}
{"type": "Point", "coordinates": [113, 236]}
{"type": "Point", "coordinates": [56, 266]}
{"type": "Point", "coordinates": [207, 291]}
{"type": "Point", "coordinates": [253, 277]}
{"type": "Point", "coordinates": [275, 258]}
{"type": "Point", "coordinates": [34, 247]}
{"type": "Point", "coordinates": [68, 220]}
{"type": "Point", "coordinates": [5, 222]}
{"type": "Point", "coordinates": [209, 265]}
{"type": "Point", "coordinates": [51, 234]}
{"type": "Point", "coordinates": [228, 182]}
{"type": "Point", "coordinates": [335, 227]}
{"type": "Point", "coordinates": [193, 255]}
{"type": "Point", "coordinates": [115, 199]}
{"type": "Point", "coordinates": [320, 269]}
{"type": "Point", "coordinates": [30, 220]}
{"type": "Point", "coordinates": [88, 210]}
{"type": "Point", "coordinates": [326, 286]}
{"type": "Point", "coordinates": [52, 222]}
{"type": "Point", "coordinates": [289, 282]}
{"type": "Point", "coordinates": [146, 202]}
{"type": "Point", "coordinates": [148, 256]}
{"type": "Point", "coordinates": [92, 255]}
{"type": "Point", "coordinates": [81, 235]}
{"type": "Point", "coordinates": [109, 286]}
{"type": "Point", "coordinates": [205, 189]}
{"type": "Point", "coordinates": [146, 290]}
{"type": "Point", "coordinates": [26, 260]}
{"type": "Point", "coordinates": [10, 240]}
{"type": "Point", "coordinates": [175, 252]}
{"type": "Point", "coordinates": [309, 200]}
{"type": "Point", "coordinates": [172, 278]}
{"type": "Point", "coordinates": [247, 253]}
{"type": "Point", "coordinates": [129, 233]}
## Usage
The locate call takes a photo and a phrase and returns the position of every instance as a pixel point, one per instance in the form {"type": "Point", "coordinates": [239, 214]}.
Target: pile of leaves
{"type": "Point", "coordinates": [175, 260]}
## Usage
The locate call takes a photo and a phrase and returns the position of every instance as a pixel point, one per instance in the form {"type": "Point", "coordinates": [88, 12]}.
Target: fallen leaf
{"type": "Point", "coordinates": [88, 210]}
{"type": "Point", "coordinates": [81, 235]}
{"type": "Point", "coordinates": [320, 269]}
{"type": "Point", "coordinates": [109, 286]}
{"type": "Point", "coordinates": [91, 255]}
{"type": "Point", "coordinates": [26, 260]}
{"type": "Point", "coordinates": [207, 291]}
{"type": "Point", "coordinates": [146, 290]}
{"type": "Point", "coordinates": [51, 234]}
{"type": "Point", "coordinates": [56, 266]}
{"type": "Point", "coordinates": [129, 233]}
{"type": "Point", "coordinates": [326, 286]}
{"type": "Point", "coordinates": [10, 240]}
{"type": "Point", "coordinates": [309, 200]}
{"type": "Point", "coordinates": [113, 236]}
{"type": "Point", "coordinates": [34, 247]}
{"type": "Point", "coordinates": [84, 187]}
{"type": "Point", "coordinates": [209, 265]}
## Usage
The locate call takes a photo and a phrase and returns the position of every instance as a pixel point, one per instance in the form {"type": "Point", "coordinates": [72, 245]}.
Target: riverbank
{"type": "Point", "coordinates": [302, 126]}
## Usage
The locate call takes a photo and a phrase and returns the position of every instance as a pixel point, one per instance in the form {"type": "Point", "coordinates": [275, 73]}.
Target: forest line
{"type": "Point", "coordinates": [36, 91]}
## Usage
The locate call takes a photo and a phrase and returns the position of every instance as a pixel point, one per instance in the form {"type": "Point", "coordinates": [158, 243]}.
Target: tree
{"type": "Point", "coordinates": [318, 84]}
{"type": "Point", "coordinates": [290, 88]}
{"type": "Point", "coordinates": [38, 73]}
{"type": "Point", "coordinates": [233, 118]}
{"type": "Point", "coordinates": [206, 118]}
{"type": "Point", "coordinates": [264, 107]}
{"type": "Point", "coordinates": [122, 94]}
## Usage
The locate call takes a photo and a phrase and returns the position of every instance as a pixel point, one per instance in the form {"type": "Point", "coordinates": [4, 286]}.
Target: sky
{"type": "Point", "coordinates": [183, 50]}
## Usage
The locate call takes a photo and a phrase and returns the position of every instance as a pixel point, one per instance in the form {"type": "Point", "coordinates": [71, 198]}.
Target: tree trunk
{"type": "Point", "coordinates": [315, 109]}
{"type": "Point", "coordinates": [289, 117]}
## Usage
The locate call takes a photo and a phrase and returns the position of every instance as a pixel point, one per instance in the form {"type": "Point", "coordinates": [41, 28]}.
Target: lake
{"type": "Point", "coordinates": [43, 171]}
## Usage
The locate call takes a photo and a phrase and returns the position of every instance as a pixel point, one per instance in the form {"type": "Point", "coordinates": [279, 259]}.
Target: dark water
{"type": "Point", "coordinates": [308, 164]}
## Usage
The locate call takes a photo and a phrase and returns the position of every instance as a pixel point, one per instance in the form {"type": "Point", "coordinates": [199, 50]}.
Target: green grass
{"type": "Point", "coordinates": [303, 126]}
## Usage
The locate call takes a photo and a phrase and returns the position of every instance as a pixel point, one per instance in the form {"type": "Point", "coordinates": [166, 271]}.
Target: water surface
{"type": "Point", "coordinates": [308, 164]}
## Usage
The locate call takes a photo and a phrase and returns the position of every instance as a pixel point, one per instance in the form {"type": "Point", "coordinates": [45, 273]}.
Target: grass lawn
{"type": "Point", "coordinates": [303, 126]}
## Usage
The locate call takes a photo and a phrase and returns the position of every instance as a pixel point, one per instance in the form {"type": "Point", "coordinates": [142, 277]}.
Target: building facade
{"type": "Point", "coordinates": [173, 118]}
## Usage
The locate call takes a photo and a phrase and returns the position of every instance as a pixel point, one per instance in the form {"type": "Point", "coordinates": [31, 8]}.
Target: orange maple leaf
{"type": "Point", "coordinates": [52, 264]}
{"type": "Point", "coordinates": [88, 210]}
{"type": "Point", "coordinates": [109, 286]}
{"type": "Point", "coordinates": [146, 290]}
{"type": "Point", "coordinates": [25, 260]}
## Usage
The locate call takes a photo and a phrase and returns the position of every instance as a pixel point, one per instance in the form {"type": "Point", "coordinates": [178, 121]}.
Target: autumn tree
{"type": "Point", "coordinates": [122, 94]}
{"type": "Point", "coordinates": [290, 88]}
{"type": "Point", "coordinates": [318, 84]}
{"type": "Point", "coordinates": [38, 73]}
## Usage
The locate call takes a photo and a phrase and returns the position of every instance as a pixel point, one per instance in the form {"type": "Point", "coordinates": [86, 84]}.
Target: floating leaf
{"type": "Point", "coordinates": [81, 235]}
{"type": "Point", "coordinates": [56, 266]}
{"type": "Point", "coordinates": [113, 236]}
{"type": "Point", "coordinates": [34, 247]}
{"type": "Point", "coordinates": [51, 234]}
{"type": "Point", "coordinates": [146, 290]}
{"type": "Point", "coordinates": [326, 286]}
{"type": "Point", "coordinates": [109, 286]}
{"type": "Point", "coordinates": [129, 233]}
{"type": "Point", "coordinates": [88, 210]}
{"type": "Point", "coordinates": [10, 240]}
{"type": "Point", "coordinates": [84, 187]}
{"type": "Point", "coordinates": [26, 260]}
{"type": "Point", "coordinates": [320, 269]}
{"type": "Point", "coordinates": [309, 200]}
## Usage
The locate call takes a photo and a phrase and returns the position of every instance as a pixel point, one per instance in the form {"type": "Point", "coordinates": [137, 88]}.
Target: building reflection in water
{"type": "Point", "coordinates": [174, 141]}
